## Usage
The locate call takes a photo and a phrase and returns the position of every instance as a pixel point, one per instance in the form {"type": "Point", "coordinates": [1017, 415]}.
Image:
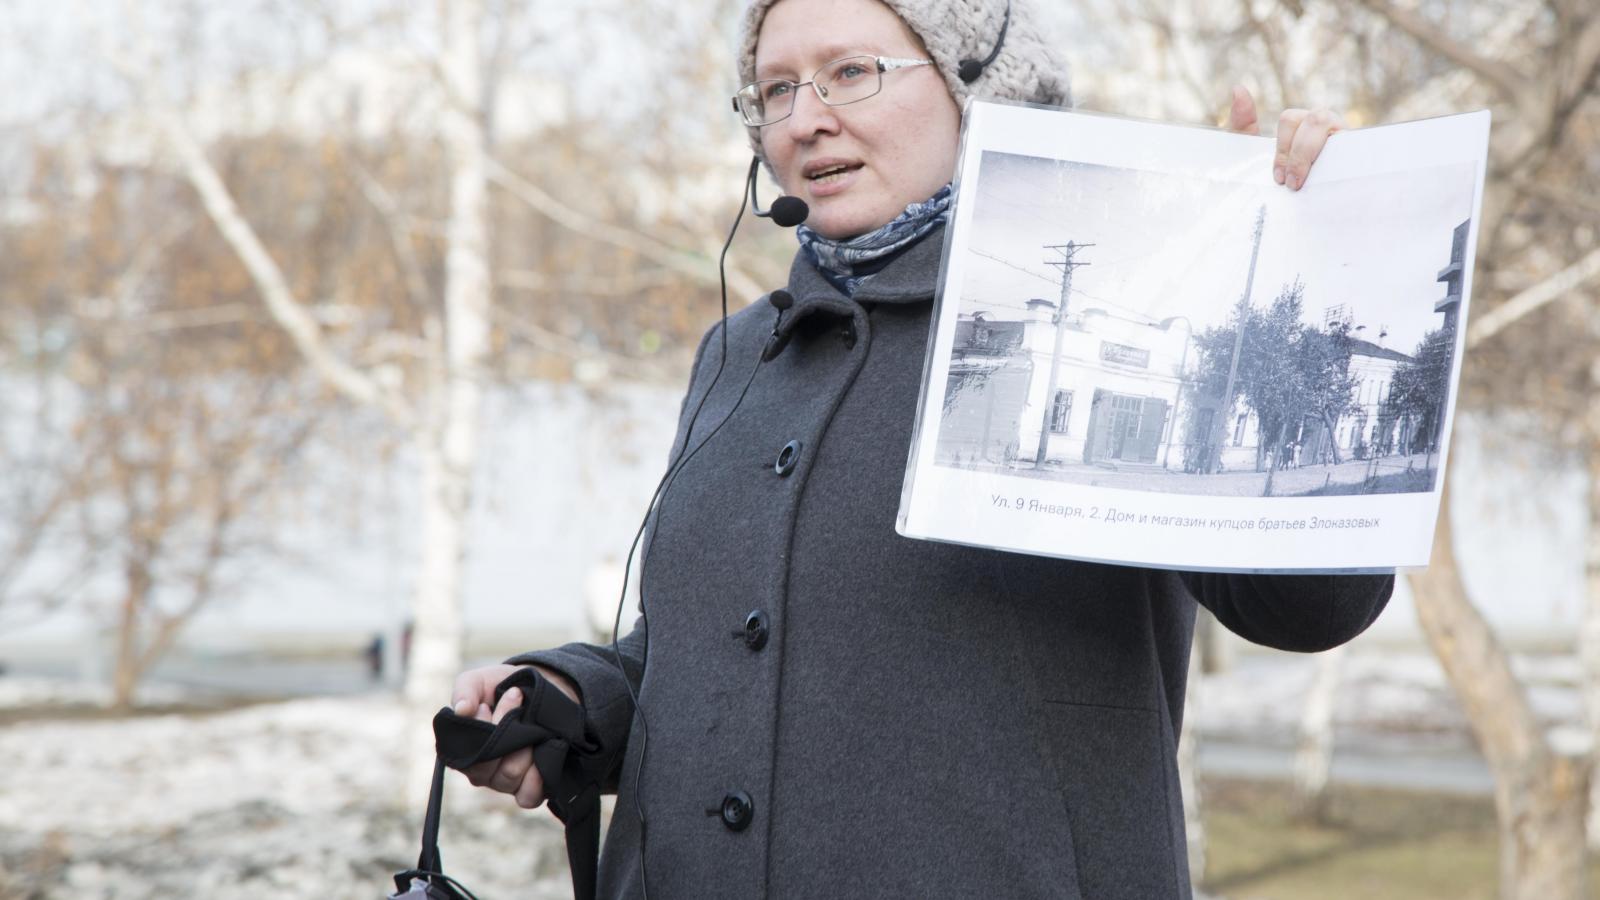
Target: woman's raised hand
{"type": "Point", "coordinates": [1301, 135]}
{"type": "Point", "coordinates": [514, 773]}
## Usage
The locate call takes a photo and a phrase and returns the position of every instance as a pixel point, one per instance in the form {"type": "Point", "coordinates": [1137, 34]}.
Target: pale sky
{"type": "Point", "coordinates": [1167, 245]}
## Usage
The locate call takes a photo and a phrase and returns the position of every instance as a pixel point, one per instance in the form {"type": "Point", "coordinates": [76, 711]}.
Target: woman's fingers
{"type": "Point", "coordinates": [476, 686]}
{"type": "Point", "coordinates": [1288, 122]}
{"type": "Point", "coordinates": [509, 701]}
{"type": "Point", "coordinates": [481, 774]}
{"type": "Point", "coordinates": [530, 791]}
{"type": "Point", "coordinates": [1242, 112]}
{"type": "Point", "coordinates": [1301, 137]}
{"type": "Point", "coordinates": [514, 774]}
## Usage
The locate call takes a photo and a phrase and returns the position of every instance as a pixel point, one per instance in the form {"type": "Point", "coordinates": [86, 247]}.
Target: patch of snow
{"type": "Point", "coordinates": [284, 799]}
{"type": "Point", "coordinates": [18, 692]}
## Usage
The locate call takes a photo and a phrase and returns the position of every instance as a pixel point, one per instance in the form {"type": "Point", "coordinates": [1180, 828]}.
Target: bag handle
{"type": "Point", "coordinates": [569, 758]}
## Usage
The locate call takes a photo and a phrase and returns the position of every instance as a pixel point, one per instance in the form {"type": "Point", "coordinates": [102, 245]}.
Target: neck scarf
{"type": "Point", "coordinates": [848, 263]}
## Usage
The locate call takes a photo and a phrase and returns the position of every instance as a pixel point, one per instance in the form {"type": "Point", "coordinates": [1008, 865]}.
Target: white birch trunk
{"type": "Point", "coordinates": [1215, 644]}
{"type": "Point", "coordinates": [1539, 795]}
{"type": "Point", "coordinates": [449, 440]}
{"type": "Point", "coordinates": [1313, 756]}
{"type": "Point", "coordinates": [1589, 633]}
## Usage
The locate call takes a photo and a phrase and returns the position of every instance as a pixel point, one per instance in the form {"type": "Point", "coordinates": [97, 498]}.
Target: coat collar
{"type": "Point", "coordinates": [909, 278]}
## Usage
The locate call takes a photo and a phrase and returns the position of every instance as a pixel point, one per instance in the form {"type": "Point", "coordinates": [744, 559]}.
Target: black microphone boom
{"type": "Point", "coordinates": [786, 211]}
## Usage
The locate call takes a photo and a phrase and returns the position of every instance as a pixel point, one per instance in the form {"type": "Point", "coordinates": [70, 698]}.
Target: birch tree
{"type": "Point", "coordinates": [1313, 757]}
{"type": "Point", "coordinates": [441, 412]}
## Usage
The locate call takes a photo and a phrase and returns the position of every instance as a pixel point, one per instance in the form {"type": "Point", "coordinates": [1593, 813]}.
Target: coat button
{"type": "Point", "coordinates": [787, 458]}
{"type": "Point", "coordinates": [755, 630]}
{"type": "Point", "coordinates": [737, 811]}
{"type": "Point", "coordinates": [848, 335]}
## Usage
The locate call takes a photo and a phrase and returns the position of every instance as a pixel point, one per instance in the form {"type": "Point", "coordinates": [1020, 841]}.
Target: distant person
{"type": "Point", "coordinates": [374, 656]}
{"type": "Point", "coordinates": [827, 709]}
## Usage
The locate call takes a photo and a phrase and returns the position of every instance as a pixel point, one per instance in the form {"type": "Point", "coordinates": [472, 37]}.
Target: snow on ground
{"type": "Point", "coordinates": [22, 692]}
{"type": "Point", "coordinates": [298, 798]}
{"type": "Point", "coordinates": [285, 799]}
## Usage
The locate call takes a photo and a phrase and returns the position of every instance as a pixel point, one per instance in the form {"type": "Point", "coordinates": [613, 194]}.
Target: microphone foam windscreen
{"type": "Point", "coordinates": [789, 211]}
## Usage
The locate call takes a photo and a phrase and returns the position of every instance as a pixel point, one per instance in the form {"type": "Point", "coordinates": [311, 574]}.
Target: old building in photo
{"type": "Point", "coordinates": [1367, 430]}
{"type": "Point", "coordinates": [1117, 387]}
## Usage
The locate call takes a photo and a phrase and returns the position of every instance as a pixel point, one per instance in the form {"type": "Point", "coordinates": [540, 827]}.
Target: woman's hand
{"type": "Point", "coordinates": [514, 773]}
{"type": "Point", "coordinates": [1301, 134]}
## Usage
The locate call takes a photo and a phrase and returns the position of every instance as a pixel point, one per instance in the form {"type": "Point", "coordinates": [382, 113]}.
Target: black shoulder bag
{"type": "Point", "coordinates": [568, 758]}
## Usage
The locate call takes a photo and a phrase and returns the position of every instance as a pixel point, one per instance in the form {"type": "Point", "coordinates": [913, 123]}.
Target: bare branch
{"type": "Point", "coordinates": [1275, 55]}
{"type": "Point", "coordinates": [288, 312]}
{"type": "Point", "coordinates": [149, 252]}
{"type": "Point", "coordinates": [1585, 56]}
{"type": "Point", "coordinates": [591, 285]}
{"type": "Point", "coordinates": [1553, 288]}
{"type": "Point", "coordinates": [561, 345]}
{"type": "Point", "coordinates": [1579, 202]}
{"type": "Point", "coordinates": [1511, 83]}
{"type": "Point", "coordinates": [268, 277]}
{"type": "Point", "coordinates": [696, 266]}
{"type": "Point", "coordinates": [405, 254]}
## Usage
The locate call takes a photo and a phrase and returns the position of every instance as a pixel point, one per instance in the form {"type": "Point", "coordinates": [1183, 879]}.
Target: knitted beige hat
{"type": "Point", "coordinates": [1028, 68]}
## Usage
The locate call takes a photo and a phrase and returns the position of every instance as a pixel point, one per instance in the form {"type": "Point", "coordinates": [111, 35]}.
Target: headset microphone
{"type": "Point", "coordinates": [786, 211]}
{"type": "Point", "coordinates": [971, 70]}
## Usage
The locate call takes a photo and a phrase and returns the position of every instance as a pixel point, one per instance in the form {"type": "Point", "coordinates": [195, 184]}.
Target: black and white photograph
{"type": "Point", "coordinates": [1167, 323]}
{"type": "Point", "coordinates": [1100, 321]}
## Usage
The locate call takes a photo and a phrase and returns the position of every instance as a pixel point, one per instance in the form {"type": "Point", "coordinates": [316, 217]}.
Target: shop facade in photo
{"type": "Point", "coordinates": [1116, 395]}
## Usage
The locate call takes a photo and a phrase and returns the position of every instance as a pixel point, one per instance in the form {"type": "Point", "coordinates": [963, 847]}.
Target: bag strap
{"type": "Point", "coordinates": [428, 881]}
{"type": "Point", "coordinates": [569, 758]}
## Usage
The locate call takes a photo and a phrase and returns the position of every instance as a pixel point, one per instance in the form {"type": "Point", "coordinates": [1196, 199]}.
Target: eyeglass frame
{"type": "Point", "coordinates": [885, 65]}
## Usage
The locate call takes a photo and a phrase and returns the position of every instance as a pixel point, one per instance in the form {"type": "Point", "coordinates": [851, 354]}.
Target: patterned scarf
{"type": "Point", "coordinates": [848, 263]}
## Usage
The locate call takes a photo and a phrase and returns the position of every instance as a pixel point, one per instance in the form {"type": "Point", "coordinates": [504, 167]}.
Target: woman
{"type": "Point", "coordinates": [833, 710]}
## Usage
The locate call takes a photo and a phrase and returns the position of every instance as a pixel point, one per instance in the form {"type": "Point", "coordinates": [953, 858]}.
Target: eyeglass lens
{"type": "Point", "coordinates": [837, 83]}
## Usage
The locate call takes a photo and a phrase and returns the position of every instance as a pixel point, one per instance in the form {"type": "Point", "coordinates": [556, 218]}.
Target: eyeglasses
{"type": "Point", "coordinates": [842, 81]}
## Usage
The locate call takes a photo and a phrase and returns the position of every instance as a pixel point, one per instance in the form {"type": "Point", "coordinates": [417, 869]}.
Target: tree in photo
{"type": "Point", "coordinates": [1288, 372]}
{"type": "Point", "coordinates": [1420, 388]}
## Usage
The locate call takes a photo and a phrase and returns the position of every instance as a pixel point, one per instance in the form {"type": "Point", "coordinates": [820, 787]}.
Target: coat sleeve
{"type": "Point", "coordinates": [598, 670]}
{"type": "Point", "coordinates": [595, 671]}
{"type": "Point", "coordinates": [1305, 613]}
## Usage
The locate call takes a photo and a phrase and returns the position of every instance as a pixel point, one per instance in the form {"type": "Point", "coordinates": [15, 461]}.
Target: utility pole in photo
{"type": "Point", "coordinates": [1225, 404]}
{"type": "Point", "coordinates": [1067, 264]}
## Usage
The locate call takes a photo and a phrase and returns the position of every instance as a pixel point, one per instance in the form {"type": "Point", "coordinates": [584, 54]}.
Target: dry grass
{"type": "Point", "coordinates": [1372, 844]}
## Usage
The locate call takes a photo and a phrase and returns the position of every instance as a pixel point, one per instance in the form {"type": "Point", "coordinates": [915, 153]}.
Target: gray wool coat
{"type": "Point", "coordinates": [833, 710]}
